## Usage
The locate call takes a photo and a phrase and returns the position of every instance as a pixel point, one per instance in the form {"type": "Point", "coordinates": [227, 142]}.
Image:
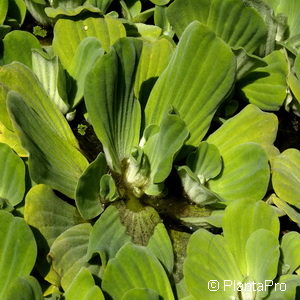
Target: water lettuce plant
{"type": "Point", "coordinates": [139, 156]}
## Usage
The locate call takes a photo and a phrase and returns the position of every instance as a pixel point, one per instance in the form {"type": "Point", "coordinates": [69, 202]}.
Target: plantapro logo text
{"type": "Point", "coordinates": [250, 286]}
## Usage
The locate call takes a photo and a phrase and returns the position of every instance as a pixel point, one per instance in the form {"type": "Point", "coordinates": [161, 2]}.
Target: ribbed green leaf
{"type": "Point", "coordinates": [160, 245]}
{"type": "Point", "coordinates": [49, 214]}
{"type": "Point", "coordinates": [68, 253]}
{"type": "Point", "coordinates": [52, 77]}
{"type": "Point", "coordinates": [113, 109]}
{"type": "Point", "coordinates": [160, 2]}
{"type": "Point", "coordinates": [66, 3]}
{"type": "Point", "coordinates": [101, 4]}
{"type": "Point", "coordinates": [194, 189]}
{"type": "Point", "coordinates": [12, 176]}
{"type": "Point", "coordinates": [86, 54]}
{"type": "Point", "coordinates": [7, 134]}
{"type": "Point", "coordinates": [17, 46]}
{"type": "Point", "coordinates": [266, 87]}
{"type": "Point", "coordinates": [276, 25]}
{"type": "Point", "coordinates": [18, 251]}
{"type": "Point", "coordinates": [154, 58]}
{"type": "Point", "coordinates": [242, 128]}
{"type": "Point", "coordinates": [246, 63]}
{"type": "Point", "coordinates": [234, 22]}
{"type": "Point", "coordinates": [68, 34]}
{"type": "Point", "coordinates": [205, 162]}
{"type": "Point", "coordinates": [286, 176]}
{"type": "Point", "coordinates": [287, 288]}
{"type": "Point", "coordinates": [290, 245]}
{"type": "Point", "coordinates": [240, 220]}
{"type": "Point", "coordinates": [198, 77]}
{"type": "Point", "coordinates": [245, 174]}
{"type": "Point", "coordinates": [25, 288]}
{"type": "Point", "coordinates": [292, 213]}
{"type": "Point", "coordinates": [141, 294]}
{"type": "Point", "coordinates": [88, 200]}
{"type": "Point", "coordinates": [52, 160]}
{"type": "Point", "coordinates": [291, 9]}
{"type": "Point", "coordinates": [12, 140]}
{"type": "Point", "coordinates": [162, 146]}
{"type": "Point", "coordinates": [209, 258]}
{"type": "Point", "coordinates": [135, 267]}
{"type": "Point", "coordinates": [3, 10]}
{"type": "Point", "coordinates": [262, 255]}
{"type": "Point", "coordinates": [70, 11]}
{"type": "Point", "coordinates": [108, 235]}
{"type": "Point", "coordinates": [19, 78]}
{"type": "Point", "coordinates": [83, 287]}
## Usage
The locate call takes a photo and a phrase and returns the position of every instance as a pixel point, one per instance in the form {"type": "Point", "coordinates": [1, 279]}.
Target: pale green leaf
{"type": "Point", "coordinates": [194, 189]}
{"type": "Point", "coordinates": [240, 220]}
{"type": "Point", "coordinates": [67, 4]}
{"type": "Point", "coordinates": [154, 59]}
{"type": "Point", "coordinates": [108, 235]}
{"type": "Point", "coordinates": [52, 160]}
{"type": "Point", "coordinates": [141, 294]}
{"type": "Point", "coordinates": [18, 251]}
{"type": "Point", "coordinates": [286, 176]}
{"type": "Point", "coordinates": [113, 109]}
{"type": "Point", "coordinates": [291, 9]}
{"type": "Point", "coordinates": [160, 2]}
{"type": "Point", "coordinates": [266, 87]}
{"type": "Point", "coordinates": [209, 258]}
{"type": "Point", "coordinates": [135, 267]}
{"type": "Point", "coordinates": [86, 54]}
{"type": "Point", "coordinates": [17, 46]}
{"type": "Point", "coordinates": [290, 245]}
{"type": "Point", "coordinates": [12, 140]}
{"type": "Point", "coordinates": [242, 128]}
{"type": "Point", "coordinates": [49, 214]}
{"type": "Point", "coordinates": [3, 10]}
{"type": "Point", "coordinates": [12, 176]}
{"type": "Point", "coordinates": [25, 288]}
{"type": "Point", "coordinates": [232, 20]}
{"type": "Point", "coordinates": [205, 162]}
{"type": "Point", "coordinates": [292, 213]}
{"type": "Point", "coordinates": [83, 287]}
{"type": "Point", "coordinates": [202, 68]}
{"type": "Point", "coordinates": [61, 11]}
{"type": "Point", "coordinates": [245, 174]}
{"type": "Point", "coordinates": [160, 245]}
{"type": "Point", "coordinates": [51, 75]}
{"type": "Point", "coordinates": [285, 288]}
{"type": "Point", "coordinates": [68, 34]}
{"type": "Point", "coordinates": [19, 78]}
{"type": "Point", "coordinates": [262, 255]}
{"type": "Point", "coordinates": [101, 4]}
{"type": "Point", "coordinates": [162, 146]}
{"type": "Point", "coordinates": [108, 189]}
{"type": "Point", "coordinates": [87, 198]}
{"type": "Point", "coordinates": [246, 63]}
{"type": "Point", "coordinates": [68, 253]}
{"type": "Point", "coordinates": [161, 20]}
